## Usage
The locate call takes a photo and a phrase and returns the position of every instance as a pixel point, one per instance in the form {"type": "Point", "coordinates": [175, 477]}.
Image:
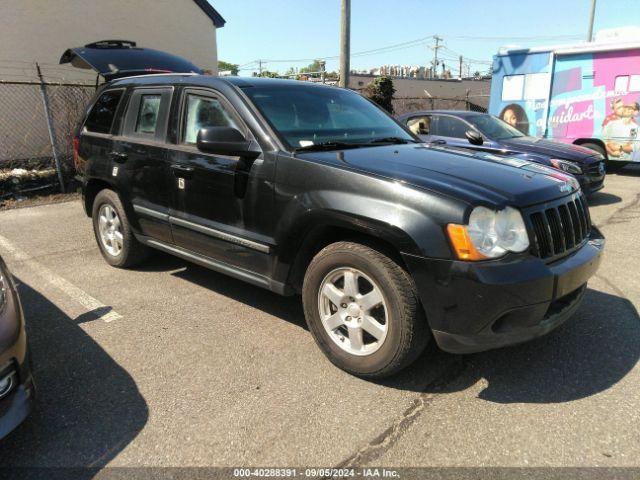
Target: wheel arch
{"type": "Point", "coordinates": [319, 231]}
{"type": "Point", "coordinates": [596, 141]}
{"type": "Point", "coordinates": [91, 190]}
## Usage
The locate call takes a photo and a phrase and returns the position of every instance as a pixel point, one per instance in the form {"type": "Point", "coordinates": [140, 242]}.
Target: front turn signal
{"type": "Point", "coordinates": [461, 242]}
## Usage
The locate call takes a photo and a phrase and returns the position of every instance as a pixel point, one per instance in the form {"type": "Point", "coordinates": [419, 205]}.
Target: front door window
{"type": "Point", "coordinates": [204, 112]}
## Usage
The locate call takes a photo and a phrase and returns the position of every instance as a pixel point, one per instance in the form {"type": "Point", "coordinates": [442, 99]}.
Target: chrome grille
{"type": "Point", "coordinates": [560, 228]}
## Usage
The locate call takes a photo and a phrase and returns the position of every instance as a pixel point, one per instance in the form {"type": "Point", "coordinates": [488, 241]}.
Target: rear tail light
{"type": "Point", "coordinates": [76, 146]}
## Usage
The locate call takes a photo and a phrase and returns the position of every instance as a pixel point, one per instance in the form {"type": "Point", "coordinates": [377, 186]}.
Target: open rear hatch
{"type": "Point", "coordinates": [122, 58]}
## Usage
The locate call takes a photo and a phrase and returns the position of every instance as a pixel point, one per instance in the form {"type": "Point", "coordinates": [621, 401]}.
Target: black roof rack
{"type": "Point", "coordinates": [112, 44]}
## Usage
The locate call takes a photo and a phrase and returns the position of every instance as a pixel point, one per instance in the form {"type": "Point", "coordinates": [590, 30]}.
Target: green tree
{"type": "Point", "coordinates": [268, 74]}
{"type": "Point", "coordinates": [226, 66]}
{"type": "Point", "coordinates": [381, 91]}
{"type": "Point", "coordinates": [313, 68]}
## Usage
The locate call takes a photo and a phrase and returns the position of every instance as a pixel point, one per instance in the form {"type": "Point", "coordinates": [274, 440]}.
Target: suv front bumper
{"type": "Point", "coordinates": [473, 307]}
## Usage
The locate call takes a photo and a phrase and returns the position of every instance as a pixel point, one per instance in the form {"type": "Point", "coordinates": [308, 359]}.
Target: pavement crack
{"type": "Point", "coordinates": [389, 437]}
{"type": "Point", "coordinates": [610, 284]}
{"type": "Point", "coordinates": [615, 217]}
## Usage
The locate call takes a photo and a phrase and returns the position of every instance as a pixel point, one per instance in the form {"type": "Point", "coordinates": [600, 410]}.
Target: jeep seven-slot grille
{"type": "Point", "coordinates": [560, 228]}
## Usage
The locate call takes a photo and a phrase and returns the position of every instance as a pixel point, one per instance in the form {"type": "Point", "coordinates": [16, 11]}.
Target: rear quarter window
{"type": "Point", "coordinates": [100, 118]}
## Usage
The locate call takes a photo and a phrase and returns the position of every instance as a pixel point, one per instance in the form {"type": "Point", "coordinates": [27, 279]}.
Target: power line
{"type": "Point", "coordinates": [419, 42]}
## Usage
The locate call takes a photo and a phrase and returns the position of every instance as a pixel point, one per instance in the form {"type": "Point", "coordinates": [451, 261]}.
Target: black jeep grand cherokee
{"type": "Point", "coordinates": [302, 188]}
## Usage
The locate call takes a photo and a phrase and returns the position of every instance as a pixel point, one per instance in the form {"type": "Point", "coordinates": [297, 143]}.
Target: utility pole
{"type": "Point", "coordinates": [260, 67]}
{"type": "Point", "coordinates": [435, 55]}
{"type": "Point", "coordinates": [345, 42]}
{"type": "Point", "coordinates": [323, 65]}
{"type": "Point", "coordinates": [460, 70]}
{"type": "Point", "coordinates": [591, 17]}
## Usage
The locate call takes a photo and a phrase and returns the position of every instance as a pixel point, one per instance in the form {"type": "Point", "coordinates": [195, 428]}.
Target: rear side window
{"type": "Point", "coordinates": [147, 113]}
{"type": "Point", "coordinates": [451, 127]}
{"type": "Point", "coordinates": [147, 120]}
{"type": "Point", "coordinates": [101, 116]}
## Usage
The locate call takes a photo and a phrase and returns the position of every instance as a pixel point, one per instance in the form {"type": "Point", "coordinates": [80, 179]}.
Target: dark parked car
{"type": "Point", "coordinates": [16, 384]}
{"type": "Point", "coordinates": [310, 189]}
{"type": "Point", "coordinates": [484, 132]}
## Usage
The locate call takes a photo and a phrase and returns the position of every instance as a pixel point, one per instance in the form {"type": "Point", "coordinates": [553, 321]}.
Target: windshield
{"type": "Point", "coordinates": [308, 116]}
{"type": "Point", "coordinates": [493, 127]}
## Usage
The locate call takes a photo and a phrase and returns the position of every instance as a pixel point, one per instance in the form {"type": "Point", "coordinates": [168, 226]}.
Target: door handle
{"type": "Point", "coordinates": [181, 170]}
{"type": "Point", "coordinates": [438, 142]}
{"type": "Point", "coordinates": [118, 157]}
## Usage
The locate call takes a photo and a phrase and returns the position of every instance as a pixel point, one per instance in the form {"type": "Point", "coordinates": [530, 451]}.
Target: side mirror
{"type": "Point", "coordinates": [225, 141]}
{"type": "Point", "coordinates": [474, 137]}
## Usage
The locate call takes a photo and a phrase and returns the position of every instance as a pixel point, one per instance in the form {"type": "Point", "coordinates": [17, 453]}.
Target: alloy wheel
{"type": "Point", "coordinates": [110, 230]}
{"type": "Point", "coordinates": [353, 311]}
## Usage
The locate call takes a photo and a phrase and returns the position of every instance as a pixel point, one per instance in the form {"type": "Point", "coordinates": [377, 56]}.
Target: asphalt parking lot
{"type": "Point", "coordinates": [170, 364]}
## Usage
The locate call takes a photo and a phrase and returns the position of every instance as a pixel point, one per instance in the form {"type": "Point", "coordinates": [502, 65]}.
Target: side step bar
{"type": "Point", "coordinates": [207, 262]}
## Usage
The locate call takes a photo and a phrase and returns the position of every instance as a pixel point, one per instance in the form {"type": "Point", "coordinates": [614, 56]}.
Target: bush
{"type": "Point", "coordinates": [381, 91]}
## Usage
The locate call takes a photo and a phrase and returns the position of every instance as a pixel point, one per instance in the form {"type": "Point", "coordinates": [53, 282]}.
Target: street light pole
{"type": "Point", "coordinates": [345, 42]}
{"type": "Point", "coordinates": [591, 17]}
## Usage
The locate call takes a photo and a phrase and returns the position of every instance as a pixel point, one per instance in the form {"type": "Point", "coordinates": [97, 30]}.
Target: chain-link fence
{"type": "Point", "coordinates": [36, 127]}
{"type": "Point", "coordinates": [475, 103]}
{"type": "Point", "coordinates": [37, 121]}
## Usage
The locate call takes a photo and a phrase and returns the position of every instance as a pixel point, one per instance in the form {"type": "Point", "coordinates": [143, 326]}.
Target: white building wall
{"type": "Point", "coordinates": [41, 30]}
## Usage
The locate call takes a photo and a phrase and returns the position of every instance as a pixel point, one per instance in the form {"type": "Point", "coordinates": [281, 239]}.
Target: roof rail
{"type": "Point", "coordinates": [112, 44]}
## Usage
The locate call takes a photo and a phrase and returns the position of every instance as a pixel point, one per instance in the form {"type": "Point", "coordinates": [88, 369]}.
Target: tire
{"type": "Point", "coordinates": [131, 252]}
{"type": "Point", "coordinates": [612, 165]}
{"type": "Point", "coordinates": [399, 314]}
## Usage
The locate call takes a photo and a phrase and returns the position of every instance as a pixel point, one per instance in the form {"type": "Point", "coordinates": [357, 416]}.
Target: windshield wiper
{"type": "Point", "coordinates": [394, 140]}
{"type": "Point", "coordinates": [335, 145]}
{"type": "Point", "coordinates": [330, 146]}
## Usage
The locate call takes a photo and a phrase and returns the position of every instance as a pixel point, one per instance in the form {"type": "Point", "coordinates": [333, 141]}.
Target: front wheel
{"type": "Point", "coordinates": [363, 310]}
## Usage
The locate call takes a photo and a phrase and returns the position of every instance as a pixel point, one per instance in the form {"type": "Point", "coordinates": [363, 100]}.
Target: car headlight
{"type": "Point", "coordinates": [566, 166]}
{"type": "Point", "coordinates": [489, 234]}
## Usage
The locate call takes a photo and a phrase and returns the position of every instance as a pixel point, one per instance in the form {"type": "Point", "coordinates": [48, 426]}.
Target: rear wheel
{"type": "Point", "coordinates": [363, 310]}
{"type": "Point", "coordinates": [111, 227]}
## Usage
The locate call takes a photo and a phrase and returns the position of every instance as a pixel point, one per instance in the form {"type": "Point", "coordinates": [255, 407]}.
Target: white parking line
{"type": "Point", "coordinates": [68, 288]}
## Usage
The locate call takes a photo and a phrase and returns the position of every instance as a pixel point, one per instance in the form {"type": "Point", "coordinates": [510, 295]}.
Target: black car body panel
{"type": "Point", "coordinates": [258, 220]}
{"type": "Point", "coordinates": [477, 178]}
{"type": "Point", "coordinates": [121, 58]}
{"type": "Point", "coordinates": [17, 401]}
{"type": "Point", "coordinates": [533, 149]}
{"type": "Point", "coordinates": [472, 306]}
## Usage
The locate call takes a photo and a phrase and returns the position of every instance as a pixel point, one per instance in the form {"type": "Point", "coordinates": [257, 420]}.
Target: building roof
{"type": "Point", "coordinates": [211, 12]}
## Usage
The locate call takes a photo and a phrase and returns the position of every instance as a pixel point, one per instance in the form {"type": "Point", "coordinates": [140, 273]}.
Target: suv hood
{"type": "Point", "coordinates": [552, 149]}
{"type": "Point", "coordinates": [476, 177]}
{"type": "Point", "coordinates": [121, 58]}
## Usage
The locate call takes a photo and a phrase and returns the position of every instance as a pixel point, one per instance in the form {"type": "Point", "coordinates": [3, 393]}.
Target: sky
{"type": "Point", "coordinates": [306, 29]}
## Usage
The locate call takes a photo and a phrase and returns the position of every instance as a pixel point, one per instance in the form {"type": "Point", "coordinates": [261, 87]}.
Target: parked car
{"type": "Point", "coordinates": [481, 131]}
{"type": "Point", "coordinates": [16, 384]}
{"type": "Point", "coordinates": [310, 189]}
